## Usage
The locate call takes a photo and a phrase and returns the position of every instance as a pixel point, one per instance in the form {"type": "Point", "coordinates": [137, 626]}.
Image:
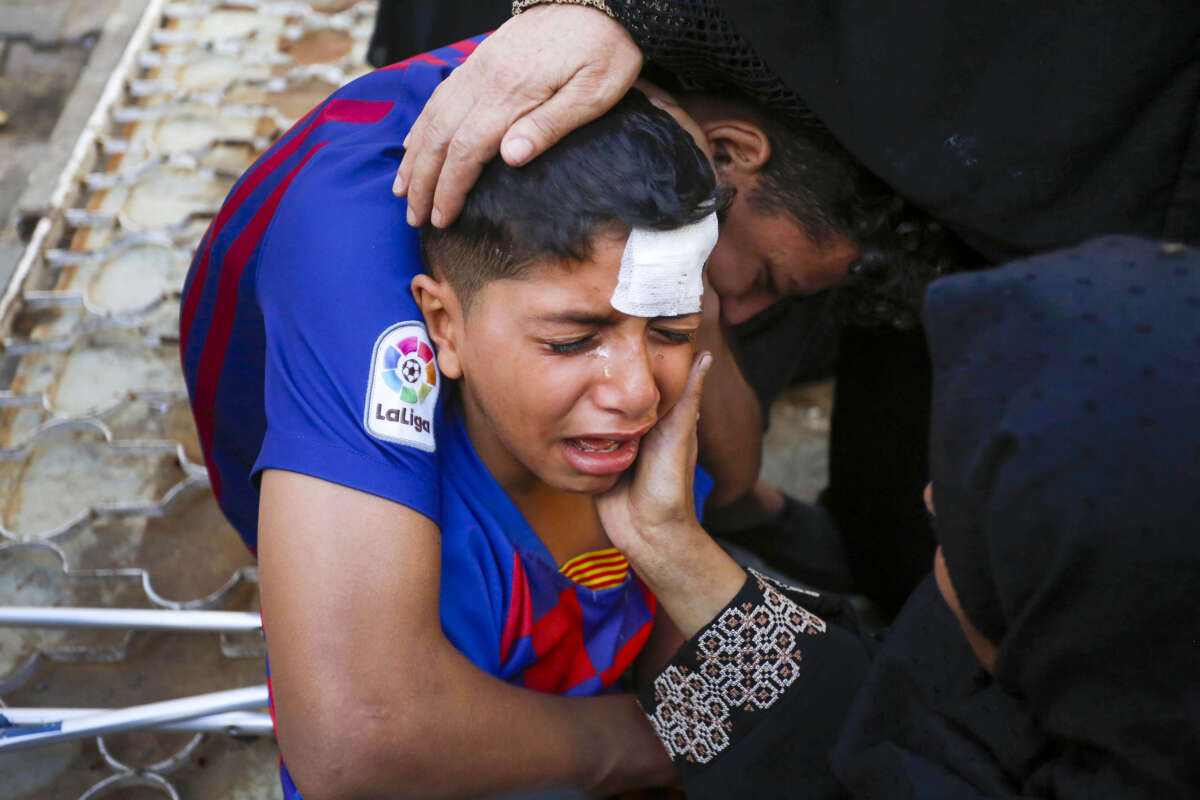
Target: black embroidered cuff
{"type": "Point", "coordinates": [712, 692]}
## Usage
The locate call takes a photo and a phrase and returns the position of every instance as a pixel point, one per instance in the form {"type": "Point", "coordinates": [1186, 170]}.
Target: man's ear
{"type": "Point", "coordinates": [739, 147]}
{"type": "Point", "coordinates": [443, 319]}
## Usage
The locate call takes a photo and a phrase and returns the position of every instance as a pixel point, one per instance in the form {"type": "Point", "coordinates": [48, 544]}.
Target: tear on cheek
{"type": "Point", "coordinates": [602, 353]}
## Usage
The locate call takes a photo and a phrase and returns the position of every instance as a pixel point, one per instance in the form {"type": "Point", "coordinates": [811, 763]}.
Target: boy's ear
{"type": "Point", "coordinates": [740, 148]}
{"type": "Point", "coordinates": [443, 319]}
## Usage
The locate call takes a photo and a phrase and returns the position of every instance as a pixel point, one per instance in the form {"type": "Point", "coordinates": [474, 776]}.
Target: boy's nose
{"type": "Point", "coordinates": [626, 383]}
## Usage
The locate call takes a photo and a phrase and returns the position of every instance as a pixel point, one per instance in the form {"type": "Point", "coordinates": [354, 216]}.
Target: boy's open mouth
{"type": "Point", "coordinates": [599, 455]}
{"type": "Point", "coordinates": [596, 445]}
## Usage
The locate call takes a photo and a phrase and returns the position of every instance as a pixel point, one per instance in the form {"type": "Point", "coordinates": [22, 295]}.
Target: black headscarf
{"type": "Point", "coordinates": [1066, 473]}
{"type": "Point", "coordinates": [1021, 127]}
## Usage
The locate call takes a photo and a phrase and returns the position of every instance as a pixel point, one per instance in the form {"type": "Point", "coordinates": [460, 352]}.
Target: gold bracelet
{"type": "Point", "coordinates": [520, 5]}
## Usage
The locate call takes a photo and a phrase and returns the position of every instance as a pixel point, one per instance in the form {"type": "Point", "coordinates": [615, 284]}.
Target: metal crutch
{"type": "Point", "coordinates": [225, 711]}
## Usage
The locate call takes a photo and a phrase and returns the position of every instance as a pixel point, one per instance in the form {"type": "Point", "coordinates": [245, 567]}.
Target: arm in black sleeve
{"type": "Point", "coordinates": [751, 705]}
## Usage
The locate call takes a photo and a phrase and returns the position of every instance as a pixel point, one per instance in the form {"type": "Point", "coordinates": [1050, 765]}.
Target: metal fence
{"type": "Point", "coordinates": [104, 503]}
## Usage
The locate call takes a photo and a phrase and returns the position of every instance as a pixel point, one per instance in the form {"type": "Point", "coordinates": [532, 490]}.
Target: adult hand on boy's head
{"type": "Point", "coordinates": [542, 74]}
{"type": "Point", "coordinates": [650, 516]}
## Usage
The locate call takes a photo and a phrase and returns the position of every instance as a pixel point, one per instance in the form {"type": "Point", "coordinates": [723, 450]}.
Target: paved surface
{"type": "Point", "coordinates": [55, 55]}
{"type": "Point", "coordinates": [103, 499]}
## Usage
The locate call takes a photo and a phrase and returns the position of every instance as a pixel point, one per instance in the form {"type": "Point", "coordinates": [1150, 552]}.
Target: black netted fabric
{"type": "Point", "coordinates": [696, 43]}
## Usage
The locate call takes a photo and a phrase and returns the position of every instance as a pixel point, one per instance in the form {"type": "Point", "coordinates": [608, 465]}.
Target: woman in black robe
{"type": "Point", "coordinates": [1055, 652]}
{"type": "Point", "coordinates": [1066, 482]}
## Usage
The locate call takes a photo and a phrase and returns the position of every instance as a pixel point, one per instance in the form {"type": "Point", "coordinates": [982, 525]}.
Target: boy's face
{"type": "Point", "coordinates": [557, 386]}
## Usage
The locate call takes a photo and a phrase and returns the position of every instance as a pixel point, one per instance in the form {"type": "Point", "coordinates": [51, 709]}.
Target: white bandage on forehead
{"type": "Point", "coordinates": [661, 271]}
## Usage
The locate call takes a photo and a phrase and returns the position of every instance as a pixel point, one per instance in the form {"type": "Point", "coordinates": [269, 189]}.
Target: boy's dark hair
{"type": "Point", "coordinates": [812, 178]}
{"type": "Point", "coordinates": [634, 166]}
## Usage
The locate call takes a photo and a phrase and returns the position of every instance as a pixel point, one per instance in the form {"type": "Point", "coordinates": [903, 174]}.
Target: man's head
{"type": "Point", "coordinates": [558, 386]}
{"type": "Point", "coordinates": [808, 217]}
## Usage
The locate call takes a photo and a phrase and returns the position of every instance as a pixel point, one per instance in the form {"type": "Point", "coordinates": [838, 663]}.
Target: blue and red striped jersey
{"type": "Point", "coordinates": [304, 350]}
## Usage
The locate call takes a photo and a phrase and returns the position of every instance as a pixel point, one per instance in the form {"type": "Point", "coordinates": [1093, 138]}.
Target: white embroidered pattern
{"type": "Point", "coordinates": [746, 660]}
{"type": "Point", "coordinates": [691, 718]}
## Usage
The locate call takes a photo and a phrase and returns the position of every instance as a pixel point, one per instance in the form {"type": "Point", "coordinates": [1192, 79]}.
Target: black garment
{"type": "Point", "coordinates": [878, 461]}
{"type": "Point", "coordinates": [1021, 126]}
{"type": "Point", "coordinates": [1066, 467]}
{"type": "Point", "coordinates": [406, 27]}
{"type": "Point", "coordinates": [1066, 478]}
{"type": "Point", "coordinates": [1066, 475]}
{"type": "Point", "coordinates": [929, 722]}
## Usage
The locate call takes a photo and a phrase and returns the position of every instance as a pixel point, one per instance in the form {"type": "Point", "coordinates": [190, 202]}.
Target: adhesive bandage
{"type": "Point", "coordinates": [661, 271]}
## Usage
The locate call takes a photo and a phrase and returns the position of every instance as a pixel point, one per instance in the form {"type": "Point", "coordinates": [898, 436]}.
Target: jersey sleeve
{"type": "Point", "coordinates": [351, 389]}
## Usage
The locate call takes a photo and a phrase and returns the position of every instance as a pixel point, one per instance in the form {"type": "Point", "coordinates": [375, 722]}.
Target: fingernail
{"type": "Point", "coordinates": [705, 362]}
{"type": "Point", "coordinates": [412, 218]}
{"type": "Point", "coordinates": [517, 151]}
{"type": "Point", "coordinates": [398, 186]}
{"type": "Point", "coordinates": [436, 218]}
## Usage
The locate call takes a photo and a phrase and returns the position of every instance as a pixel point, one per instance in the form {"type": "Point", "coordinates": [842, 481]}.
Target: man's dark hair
{"type": "Point", "coordinates": [812, 178]}
{"type": "Point", "coordinates": [634, 166]}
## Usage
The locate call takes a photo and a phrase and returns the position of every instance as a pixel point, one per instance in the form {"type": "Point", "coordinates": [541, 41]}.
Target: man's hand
{"type": "Point", "coordinates": [650, 517]}
{"type": "Point", "coordinates": [539, 76]}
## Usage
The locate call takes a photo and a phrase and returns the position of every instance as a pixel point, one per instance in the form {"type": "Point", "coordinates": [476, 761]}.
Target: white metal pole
{"type": "Point", "coordinates": [135, 717]}
{"type": "Point", "coordinates": [234, 723]}
{"type": "Point", "coordinates": [69, 177]}
{"type": "Point", "coordinates": [141, 619]}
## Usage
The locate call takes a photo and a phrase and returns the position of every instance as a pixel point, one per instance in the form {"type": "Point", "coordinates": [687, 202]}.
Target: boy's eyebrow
{"type": "Point", "coordinates": [590, 318]}
{"type": "Point", "coordinates": [579, 318]}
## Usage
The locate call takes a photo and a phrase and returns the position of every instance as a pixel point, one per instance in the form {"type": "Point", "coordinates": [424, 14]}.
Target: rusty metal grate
{"type": "Point", "coordinates": [103, 497]}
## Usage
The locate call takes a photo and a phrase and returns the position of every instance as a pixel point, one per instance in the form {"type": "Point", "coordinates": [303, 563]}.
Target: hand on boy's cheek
{"type": "Point", "coordinates": [656, 495]}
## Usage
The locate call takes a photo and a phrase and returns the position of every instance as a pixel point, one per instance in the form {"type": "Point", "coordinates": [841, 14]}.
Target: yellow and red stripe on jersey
{"type": "Point", "coordinates": [598, 569]}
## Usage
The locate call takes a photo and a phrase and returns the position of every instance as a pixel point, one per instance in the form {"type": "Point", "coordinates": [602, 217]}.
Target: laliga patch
{"type": "Point", "coordinates": [402, 390]}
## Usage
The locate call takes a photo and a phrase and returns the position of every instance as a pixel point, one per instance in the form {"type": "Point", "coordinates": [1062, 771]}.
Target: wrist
{"type": "Point", "coordinates": [689, 573]}
{"type": "Point", "coordinates": [657, 552]}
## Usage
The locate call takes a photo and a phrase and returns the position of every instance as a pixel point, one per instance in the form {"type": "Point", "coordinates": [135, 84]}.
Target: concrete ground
{"type": "Point", "coordinates": [53, 60]}
{"type": "Point", "coordinates": [103, 499]}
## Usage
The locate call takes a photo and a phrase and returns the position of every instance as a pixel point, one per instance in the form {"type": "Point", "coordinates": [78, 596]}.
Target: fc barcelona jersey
{"type": "Point", "coordinates": [304, 350]}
